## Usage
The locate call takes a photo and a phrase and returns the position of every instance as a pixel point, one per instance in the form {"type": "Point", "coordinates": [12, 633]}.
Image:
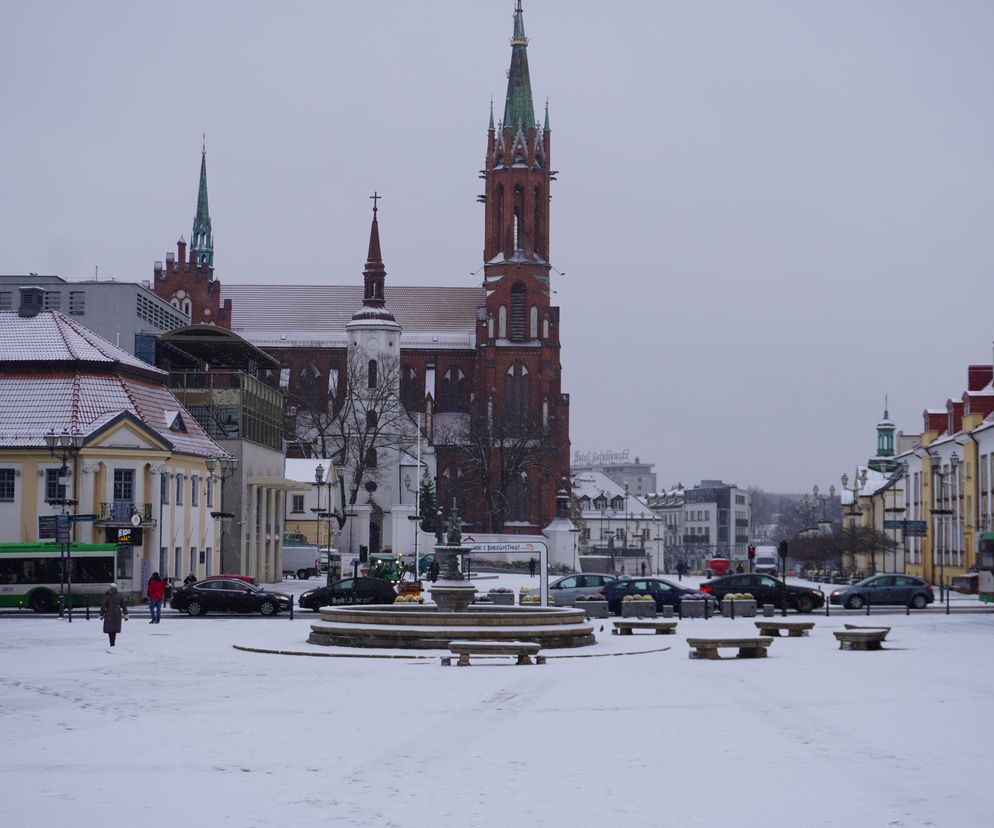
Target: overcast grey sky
{"type": "Point", "coordinates": [770, 214]}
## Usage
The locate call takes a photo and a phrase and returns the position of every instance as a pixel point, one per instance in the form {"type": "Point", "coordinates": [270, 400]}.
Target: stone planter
{"type": "Point", "coordinates": [768, 610]}
{"type": "Point", "coordinates": [593, 609]}
{"type": "Point", "coordinates": [506, 598]}
{"type": "Point", "coordinates": [638, 609]}
{"type": "Point", "coordinates": [692, 609]}
{"type": "Point", "coordinates": [742, 609]}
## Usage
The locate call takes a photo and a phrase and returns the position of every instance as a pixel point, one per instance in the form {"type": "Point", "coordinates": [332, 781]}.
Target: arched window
{"type": "Point", "coordinates": [533, 323]}
{"type": "Point", "coordinates": [188, 307]}
{"type": "Point", "coordinates": [371, 459]}
{"type": "Point", "coordinates": [371, 419]}
{"type": "Point", "coordinates": [502, 322]}
{"type": "Point", "coordinates": [372, 373]}
{"type": "Point", "coordinates": [453, 393]}
{"type": "Point", "coordinates": [519, 216]}
{"type": "Point", "coordinates": [517, 499]}
{"type": "Point", "coordinates": [517, 397]}
{"type": "Point", "coordinates": [537, 223]}
{"type": "Point", "coordinates": [519, 301]}
{"type": "Point", "coordinates": [499, 216]}
{"type": "Point", "coordinates": [410, 389]}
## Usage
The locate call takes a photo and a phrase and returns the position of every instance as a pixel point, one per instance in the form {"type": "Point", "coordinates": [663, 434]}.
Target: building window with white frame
{"type": "Point", "coordinates": [7, 487]}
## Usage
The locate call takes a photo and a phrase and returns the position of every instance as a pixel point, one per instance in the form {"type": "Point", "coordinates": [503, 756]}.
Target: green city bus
{"type": "Point", "coordinates": [31, 573]}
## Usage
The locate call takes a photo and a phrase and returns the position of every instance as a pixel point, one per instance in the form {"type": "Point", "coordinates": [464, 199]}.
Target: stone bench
{"type": "Point", "coordinates": [625, 627]}
{"type": "Point", "coordinates": [747, 647]}
{"type": "Point", "coordinates": [794, 629]}
{"type": "Point", "coordinates": [861, 638]}
{"type": "Point", "coordinates": [523, 650]}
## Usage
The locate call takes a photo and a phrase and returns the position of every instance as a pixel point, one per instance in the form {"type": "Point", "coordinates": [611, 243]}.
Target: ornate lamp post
{"type": "Point", "coordinates": [64, 446]}
{"type": "Point", "coordinates": [854, 511]}
{"type": "Point", "coordinates": [939, 495]}
{"type": "Point", "coordinates": [824, 522]}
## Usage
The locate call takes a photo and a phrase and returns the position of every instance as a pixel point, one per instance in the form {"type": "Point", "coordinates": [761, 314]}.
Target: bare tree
{"type": "Point", "coordinates": [371, 419]}
{"type": "Point", "coordinates": [312, 414]}
{"type": "Point", "coordinates": [499, 456]}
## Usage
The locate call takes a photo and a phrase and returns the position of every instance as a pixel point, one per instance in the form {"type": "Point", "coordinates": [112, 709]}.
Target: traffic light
{"type": "Point", "coordinates": [752, 552]}
{"type": "Point", "coordinates": [782, 549]}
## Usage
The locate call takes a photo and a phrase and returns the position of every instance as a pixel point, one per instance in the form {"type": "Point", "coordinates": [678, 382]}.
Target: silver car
{"type": "Point", "coordinates": [564, 590]}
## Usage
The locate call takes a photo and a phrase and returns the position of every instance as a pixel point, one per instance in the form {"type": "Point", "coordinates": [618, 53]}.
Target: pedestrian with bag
{"type": "Point", "coordinates": [156, 594]}
{"type": "Point", "coordinates": [113, 610]}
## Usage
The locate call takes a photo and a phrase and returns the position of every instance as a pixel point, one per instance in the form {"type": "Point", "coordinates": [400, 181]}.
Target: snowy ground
{"type": "Point", "coordinates": [176, 727]}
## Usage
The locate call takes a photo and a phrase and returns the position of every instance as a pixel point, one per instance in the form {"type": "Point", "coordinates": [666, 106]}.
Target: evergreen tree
{"type": "Point", "coordinates": [429, 504]}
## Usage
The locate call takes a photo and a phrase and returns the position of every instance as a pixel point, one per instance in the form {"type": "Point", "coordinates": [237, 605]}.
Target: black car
{"type": "Point", "coordinates": [227, 595]}
{"type": "Point", "coordinates": [766, 590]}
{"type": "Point", "coordinates": [664, 592]}
{"type": "Point", "coordinates": [349, 591]}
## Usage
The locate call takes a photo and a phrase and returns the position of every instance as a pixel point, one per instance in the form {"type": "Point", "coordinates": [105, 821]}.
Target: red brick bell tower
{"type": "Point", "coordinates": [518, 341]}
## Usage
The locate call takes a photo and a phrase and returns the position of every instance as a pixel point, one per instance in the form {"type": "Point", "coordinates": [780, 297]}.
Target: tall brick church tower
{"type": "Point", "coordinates": [518, 341]}
{"type": "Point", "coordinates": [187, 280]}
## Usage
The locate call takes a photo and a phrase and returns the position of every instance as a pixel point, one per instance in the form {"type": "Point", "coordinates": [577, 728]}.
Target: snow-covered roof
{"type": "Point", "coordinates": [593, 484]}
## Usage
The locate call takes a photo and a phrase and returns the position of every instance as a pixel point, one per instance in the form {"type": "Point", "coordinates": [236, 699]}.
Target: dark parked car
{"type": "Point", "coordinates": [227, 595]}
{"type": "Point", "coordinates": [665, 592]}
{"type": "Point", "coordinates": [564, 591]}
{"type": "Point", "coordinates": [904, 590]}
{"type": "Point", "coordinates": [349, 591]}
{"type": "Point", "coordinates": [766, 590]}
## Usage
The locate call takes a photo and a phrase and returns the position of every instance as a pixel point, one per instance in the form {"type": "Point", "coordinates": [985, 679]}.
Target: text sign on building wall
{"type": "Point", "coordinates": [598, 458]}
{"type": "Point", "coordinates": [46, 527]}
{"type": "Point", "coordinates": [532, 547]}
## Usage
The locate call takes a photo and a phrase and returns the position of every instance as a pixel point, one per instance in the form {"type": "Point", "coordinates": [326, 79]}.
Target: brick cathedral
{"type": "Point", "coordinates": [479, 366]}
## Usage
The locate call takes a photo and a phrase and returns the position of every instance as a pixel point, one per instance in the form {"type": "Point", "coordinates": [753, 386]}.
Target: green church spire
{"type": "Point", "coordinates": [202, 240]}
{"type": "Point", "coordinates": [518, 109]}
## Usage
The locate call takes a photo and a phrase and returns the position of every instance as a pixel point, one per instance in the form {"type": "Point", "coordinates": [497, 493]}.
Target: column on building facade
{"type": "Point", "coordinates": [272, 531]}
{"type": "Point", "coordinates": [251, 536]}
{"type": "Point", "coordinates": [402, 528]}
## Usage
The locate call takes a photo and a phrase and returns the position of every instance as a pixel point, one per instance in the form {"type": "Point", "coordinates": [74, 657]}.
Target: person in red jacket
{"type": "Point", "coordinates": [156, 593]}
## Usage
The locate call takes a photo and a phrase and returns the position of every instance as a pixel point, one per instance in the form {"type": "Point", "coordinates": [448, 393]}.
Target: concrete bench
{"type": "Point", "coordinates": [625, 627]}
{"type": "Point", "coordinates": [794, 629]}
{"type": "Point", "coordinates": [748, 647]}
{"type": "Point", "coordinates": [861, 638]}
{"type": "Point", "coordinates": [523, 650]}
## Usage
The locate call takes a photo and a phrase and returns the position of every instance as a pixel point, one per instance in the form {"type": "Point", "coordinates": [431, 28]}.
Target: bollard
{"type": "Point", "coordinates": [768, 610]}
{"type": "Point", "coordinates": [732, 602]}
{"type": "Point", "coordinates": [826, 607]}
{"type": "Point", "coordinates": [667, 611]}
{"type": "Point", "coordinates": [907, 610]}
{"type": "Point", "coordinates": [87, 607]}
{"type": "Point", "coordinates": [947, 602]}
{"type": "Point", "coordinates": [679, 611]}
{"type": "Point", "coordinates": [291, 609]}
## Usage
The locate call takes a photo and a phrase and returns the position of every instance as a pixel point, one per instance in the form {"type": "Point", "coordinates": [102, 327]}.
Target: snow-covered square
{"type": "Point", "coordinates": [177, 726]}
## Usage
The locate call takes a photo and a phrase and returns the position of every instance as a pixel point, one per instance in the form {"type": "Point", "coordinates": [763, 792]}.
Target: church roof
{"type": "Point", "coordinates": [277, 315]}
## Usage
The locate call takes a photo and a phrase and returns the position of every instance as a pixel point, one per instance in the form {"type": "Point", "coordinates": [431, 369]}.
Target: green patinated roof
{"type": "Point", "coordinates": [519, 109]}
{"type": "Point", "coordinates": [202, 240]}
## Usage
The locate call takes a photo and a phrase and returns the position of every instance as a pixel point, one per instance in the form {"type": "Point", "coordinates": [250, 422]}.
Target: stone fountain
{"type": "Point", "coordinates": [452, 614]}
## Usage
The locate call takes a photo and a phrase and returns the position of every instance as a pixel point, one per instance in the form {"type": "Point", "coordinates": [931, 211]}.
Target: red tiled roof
{"type": "Point", "coordinates": [53, 337]}
{"type": "Point", "coordinates": [57, 375]}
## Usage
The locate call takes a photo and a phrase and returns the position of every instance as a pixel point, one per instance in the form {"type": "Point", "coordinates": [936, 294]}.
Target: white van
{"type": "Point", "coordinates": [766, 561]}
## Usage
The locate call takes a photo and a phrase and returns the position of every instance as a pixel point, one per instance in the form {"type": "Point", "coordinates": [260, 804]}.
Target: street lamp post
{"type": "Point", "coordinates": [939, 513]}
{"type": "Point", "coordinates": [221, 469]}
{"type": "Point", "coordinates": [64, 446]}
{"type": "Point", "coordinates": [854, 511]}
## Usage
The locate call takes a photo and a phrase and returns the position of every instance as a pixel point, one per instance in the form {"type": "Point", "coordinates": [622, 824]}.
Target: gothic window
{"type": "Point", "coordinates": [537, 223]}
{"type": "Point", "coordinates": [372, 373]}
{"type": "Point", "coordinates": [499, 215]}
{"type": "Point", "coordinates": [409, 389]}
{"type": "Point", "coordinates": [187, 307]}
{"type": "Point", "coordinates": [519, 300]}
{"type": "Point", "coordinates": [519, 215]}
{"type": "Point", "coordinates": [502, 322]}
{"type": "Point", "coordinates": [533, 323]}
{"type": "Point", "coordinates": [517, 397]}
{"type": "Point", "coordinates": [517, 499]}
{"type": "Point", "coordinates": [453, 396]}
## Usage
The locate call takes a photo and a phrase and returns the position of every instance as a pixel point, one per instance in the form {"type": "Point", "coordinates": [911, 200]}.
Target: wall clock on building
{"type": "Point", "coordinates": [136, 519]}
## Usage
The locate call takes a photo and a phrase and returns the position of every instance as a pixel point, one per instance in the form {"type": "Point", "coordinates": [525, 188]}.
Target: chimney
{"type": "Point", "coordinates": [32, 300]}
{"type": "Point", "coordinates": [978, 376]}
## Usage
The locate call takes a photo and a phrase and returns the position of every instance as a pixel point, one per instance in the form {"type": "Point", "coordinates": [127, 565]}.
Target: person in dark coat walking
{"type": "Point", "coordinates": [531, 567]}
{"type": "Point", "coordinates": [113, 610]}
{"type": "Point", "coordinates": [156, 594]}
{"type": "Point", "coordinates": [190, 579]}
{"type": "Point", "coordinates": [433, 571]}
